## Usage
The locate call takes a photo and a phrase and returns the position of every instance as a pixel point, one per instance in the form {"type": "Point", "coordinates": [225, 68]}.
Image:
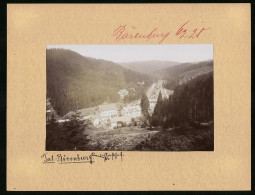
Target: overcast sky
{"type": "Point", "coordinates": [129, 53]}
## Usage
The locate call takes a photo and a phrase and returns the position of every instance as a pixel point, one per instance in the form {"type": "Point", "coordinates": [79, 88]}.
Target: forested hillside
{"type": "Point", "coordinates": [183, 72]}
{"type": "Point", "coordinates": [75, 81]}
{"type": "Point", "coordinates": [186, 118]}
{"type": "Point", "coordinates": [192, 101]}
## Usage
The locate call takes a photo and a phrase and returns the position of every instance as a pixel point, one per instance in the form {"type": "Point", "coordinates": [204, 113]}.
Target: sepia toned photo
{"type": "Point", "coordinates": [130, 97]}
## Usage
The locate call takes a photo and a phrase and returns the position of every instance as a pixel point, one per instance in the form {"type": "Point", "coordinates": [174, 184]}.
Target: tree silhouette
{"type": "Point", "coordinates": [157, 109]}
{"type": "Point", "coordinates": [68, 136]}
{"type": "Point", "coordinates": [145, 105]}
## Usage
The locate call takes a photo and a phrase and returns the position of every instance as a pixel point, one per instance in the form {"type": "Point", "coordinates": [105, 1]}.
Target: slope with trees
{"type": "Point", "coordinates": [68, 136]}
{"type": "Point", "coordinates": [192, 101]}
{"type": "Point", "coordinates": [185, 119]}
{"type": "Point", "coordinates": [75, 81]}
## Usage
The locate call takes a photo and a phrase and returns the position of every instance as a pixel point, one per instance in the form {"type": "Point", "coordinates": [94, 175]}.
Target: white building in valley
{"type": "Point", "coordinates": [122, 93]}
{"type": "Point", "coordinates": [107, 111]}
{"type": "Point", "coordinates": [132, 111]}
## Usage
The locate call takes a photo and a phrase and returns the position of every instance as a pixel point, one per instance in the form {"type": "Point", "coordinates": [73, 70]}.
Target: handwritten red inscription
{"type": "Point", "coordinates": [123, 32]}
{"type": "Point", "coordinates": [184, 32]}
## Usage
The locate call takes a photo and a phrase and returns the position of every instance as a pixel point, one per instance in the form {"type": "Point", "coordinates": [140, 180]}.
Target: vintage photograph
{"type": "Point", "coordinates": [130, 97]}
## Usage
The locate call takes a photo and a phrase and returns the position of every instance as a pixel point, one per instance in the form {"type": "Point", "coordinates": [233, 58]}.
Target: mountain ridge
{"type": "Point", "coordinates": [181, 73]}
{"type": "Point", "coordinates": [149, 66]}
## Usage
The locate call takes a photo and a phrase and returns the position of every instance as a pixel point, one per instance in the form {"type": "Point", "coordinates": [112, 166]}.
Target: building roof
{"type": "Point", "coordinates": [82, 112]}
{"type": "Point", "coordinates": [123, 92]}
{"type": "Point", "coordinates": [132, 107]}
{"type": "Point", "coordinates": [62, 120]}
{"type": "Point", "coordinates": [135, 102]}
{"type": "Point", "coordinates": [87, 111]}
{"type": "Point", "coordinates": [69, 114]}
{"type": "Point", "coordinates": [92, 117]}
{"type": "Point", "coordinates": [105, 107]}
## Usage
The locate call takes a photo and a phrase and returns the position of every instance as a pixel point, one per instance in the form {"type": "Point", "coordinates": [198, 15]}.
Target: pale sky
{"type": "Point", "coordinates": [129, 53]}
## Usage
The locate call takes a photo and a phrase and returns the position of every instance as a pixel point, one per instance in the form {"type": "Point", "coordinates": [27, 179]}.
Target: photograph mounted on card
{"type": "Point", "coordinates": [121, 97]}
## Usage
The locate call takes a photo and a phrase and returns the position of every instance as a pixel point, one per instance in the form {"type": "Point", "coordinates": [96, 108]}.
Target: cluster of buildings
{"type": "Point", "coordinates": [115, 114]}
{"type": "Point", "coordinates": [112, 114]}
{"type": "Point", "coordinates": [107, 114]}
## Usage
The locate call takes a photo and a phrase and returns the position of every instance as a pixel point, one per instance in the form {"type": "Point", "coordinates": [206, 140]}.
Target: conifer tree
{"type": "Point", "coordinates": [145, 105]}
{"type": "Point", "coordinates": [158, 106]}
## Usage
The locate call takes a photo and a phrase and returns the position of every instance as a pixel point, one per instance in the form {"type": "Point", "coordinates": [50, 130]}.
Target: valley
{"type": "Point", "coordinates": [103, 105]}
